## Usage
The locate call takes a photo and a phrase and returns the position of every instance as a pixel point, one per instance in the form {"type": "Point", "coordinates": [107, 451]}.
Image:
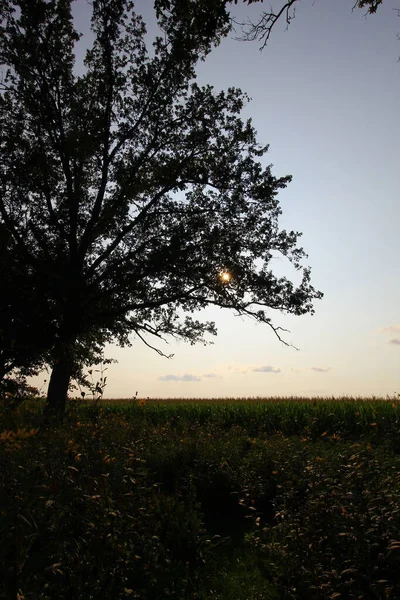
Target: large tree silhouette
{"type": "Point", "coordinates": [127, 188]}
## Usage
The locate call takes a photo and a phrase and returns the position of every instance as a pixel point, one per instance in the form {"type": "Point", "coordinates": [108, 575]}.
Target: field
{"type": "Point", "coordinates": [207, 499]}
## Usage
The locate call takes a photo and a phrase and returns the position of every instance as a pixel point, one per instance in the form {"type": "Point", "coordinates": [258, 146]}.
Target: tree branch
{"type": "Point", "coordinates": [262, 29]}
{"type": "Point", "coordinates": [106, 159]}
{"type": "Point", "coordinates": [160, 352]}
{"type": "Point", "coordinates": [150, 304]}
{"type": "Point", "coordinates": [127, 229]}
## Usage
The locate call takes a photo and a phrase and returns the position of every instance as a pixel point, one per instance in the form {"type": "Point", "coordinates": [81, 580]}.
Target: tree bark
{"type": "Point", "coordinates": [61, 373]}
{"type": "Point", "coordinates": [58, 388]}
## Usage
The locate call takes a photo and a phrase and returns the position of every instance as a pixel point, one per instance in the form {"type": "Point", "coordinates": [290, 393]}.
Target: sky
{"type": "Point", "coordinates": [325, 96]}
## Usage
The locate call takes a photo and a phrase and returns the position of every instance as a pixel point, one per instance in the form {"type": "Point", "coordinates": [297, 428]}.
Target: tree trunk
{"type": "Point", "coordinates": [58, 388]}
{"type": "Point", "coordinates": [61, 373]}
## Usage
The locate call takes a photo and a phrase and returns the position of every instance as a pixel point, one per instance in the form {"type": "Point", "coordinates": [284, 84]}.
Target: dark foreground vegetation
{"type": "Point", "coordinates": [232, 500]}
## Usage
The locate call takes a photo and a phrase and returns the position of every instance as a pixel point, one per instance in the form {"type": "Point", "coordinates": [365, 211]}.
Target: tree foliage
{"type": "Point", "coordinates": [25, 333]}
{"type": "Point", "coordinates": [126, 188]}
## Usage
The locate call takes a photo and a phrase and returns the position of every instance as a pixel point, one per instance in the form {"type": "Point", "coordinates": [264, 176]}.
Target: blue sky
{"type": "Point", "coordinates": [325, 96]}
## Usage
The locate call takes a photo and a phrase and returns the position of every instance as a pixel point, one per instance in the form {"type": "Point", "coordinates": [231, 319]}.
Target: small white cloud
{"type": "Point", "coordinates": [240, 370]}
{"type": "Point", "coordinates": [266, 369]}
{"type": "Point", "coordinates": [211, 375]}
{"type": "Point", "coordinates": [391, 330]}
{"type": "Point", "coordinates": [320, 369]}
{"type": "Point", "coordinates": [395, 341]}
{"type": "Point", "coordinates": [186, 377]}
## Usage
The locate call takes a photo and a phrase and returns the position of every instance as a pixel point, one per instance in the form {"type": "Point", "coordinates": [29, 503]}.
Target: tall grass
{"type": "Point", "coordinates": [251, 499]}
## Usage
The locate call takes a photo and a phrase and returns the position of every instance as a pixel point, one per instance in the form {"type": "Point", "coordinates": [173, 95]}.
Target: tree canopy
{"type": "Point", "coordinates": [126, 188]}
{"type": "Point", "coordinates": [23, 338]}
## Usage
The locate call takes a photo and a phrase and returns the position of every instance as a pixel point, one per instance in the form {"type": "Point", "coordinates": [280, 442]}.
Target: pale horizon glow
{"type": "Point", "coordinates": [325, 96]}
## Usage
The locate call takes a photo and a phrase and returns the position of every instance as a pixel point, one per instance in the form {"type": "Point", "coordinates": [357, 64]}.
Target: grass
{"type": "Point", "coordinates": [240, 498]}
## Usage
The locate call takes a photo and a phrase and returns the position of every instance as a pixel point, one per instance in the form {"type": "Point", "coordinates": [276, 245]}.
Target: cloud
{"type": "Point", "coordinates": [320, 369]}
{"type": "Point", "coordinates": [391, 330]}
{"type": "Point", "coordinates": [266, 369]}
{"type": "Point", "coordinates": [240, 370]}
{"type": "Point", "coordinates": [186, 377]}
{"type": "Point", "coordinates": [211, 375]}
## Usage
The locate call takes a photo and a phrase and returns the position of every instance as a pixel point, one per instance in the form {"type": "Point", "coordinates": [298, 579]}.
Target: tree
{"type": "Point", "coordinates": [261, 29]}
{"type": "Point", "coordinates": [129, 189]}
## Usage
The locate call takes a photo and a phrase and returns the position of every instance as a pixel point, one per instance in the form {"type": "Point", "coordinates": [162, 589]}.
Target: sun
{"type": "Point", "coordinates": [225, 276]}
